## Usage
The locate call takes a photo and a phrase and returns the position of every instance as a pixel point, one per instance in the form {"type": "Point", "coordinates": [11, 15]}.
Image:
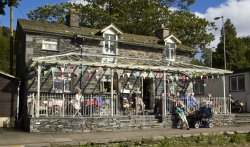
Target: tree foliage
{"type": "Point", "coordinates": [141, 17]}
{"type": "Point", "coordinates": [190, 29]}
{"type": "Point", "coordinates": [4, 3]}
{"type": "Point", "coordinates": [4, 48]}
{"type": "Point", "coordinates": [235, 50]}
{"type": "Point", "coordinates": [246, 41]}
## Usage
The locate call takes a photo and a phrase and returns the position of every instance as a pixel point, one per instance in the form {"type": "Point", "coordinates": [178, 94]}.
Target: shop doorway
{"type": "Point", "coordinates": [147, 93]}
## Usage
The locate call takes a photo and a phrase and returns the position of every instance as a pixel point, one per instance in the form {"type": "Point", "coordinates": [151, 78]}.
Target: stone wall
{"type": "Point", "coordinates": [118, 123]}
{"type": "Point", "coordinates": [66, 44]}
{"type": "Point", "coordinates": [94, 124]}
{"type": "Point", "coordinates": [224, 119]}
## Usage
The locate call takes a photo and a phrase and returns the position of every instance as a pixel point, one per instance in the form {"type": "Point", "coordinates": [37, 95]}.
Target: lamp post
{"type": "Point", "coordinates": [225, 64]}
{"type": "Point", "coordinates": [224, 39]}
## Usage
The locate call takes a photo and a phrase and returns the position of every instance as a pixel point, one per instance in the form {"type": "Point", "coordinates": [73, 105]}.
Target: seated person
{"type": "Point", "coordinates": [205, 111]}
{"type": "Point", "coordinates": [191, 102]}
{"type": "Point", "coordinates": [125, 103]}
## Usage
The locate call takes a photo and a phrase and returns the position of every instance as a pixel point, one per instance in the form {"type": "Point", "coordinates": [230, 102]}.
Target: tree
{"type": "Point", "coordinates": [207, 57]}
{"type": "Point", "coordinates": [235, 50]}
{"type": "Point", "coordinates": [246, 41]}
{"type": "Point", "coordinates": [4, 49]}
{"type": "Point", "coordinates": [9, 3]}
{"type": "Point", "coordinates": [190, 29]}
{"type": "Point", "coordinates": [197, 62]}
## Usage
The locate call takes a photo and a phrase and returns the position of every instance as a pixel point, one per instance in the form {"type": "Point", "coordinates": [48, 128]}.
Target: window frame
{"type": "Point", "coordinates": [50, 41]}
{"type": "Point", "coordinates": [108, 50]}
{"type": "Point", "coordinates": [237, 83]}
{"type": "Point", "coordinates": [170, 52]}
{"type": "Point", "coordinates": [62, 82]}
{"type": "Point", "coordinates": [201, 89]}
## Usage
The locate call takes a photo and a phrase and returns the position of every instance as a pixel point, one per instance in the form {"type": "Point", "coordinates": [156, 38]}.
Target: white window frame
{"type": "Point", "coordinates": [48, 42]}
{"type": "Point", "coordinates": [66, 90]}
{"type": "Point", "coordinates": [107, 50]}
{"type": "Point", "coordinates": [170, 52]}
{"type": "Point", "coordinates": [201, 89]}
{"type": "Point", "coordinates": [63, 80]}
{"type": "Point", "coordinates": [237, 83]}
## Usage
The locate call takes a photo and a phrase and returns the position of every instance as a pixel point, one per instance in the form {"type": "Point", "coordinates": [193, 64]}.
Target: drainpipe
{"type": "Point", "coordinates": [164, 95]}
{"type": "Point", "coordinates": [112, 93]}
{"type": "Point", "coordinates": [17, 104]}
{"type": "Point", "coordinates": [38, 90]}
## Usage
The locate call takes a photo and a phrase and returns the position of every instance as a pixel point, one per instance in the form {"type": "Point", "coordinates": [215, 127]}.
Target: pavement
{"type": "Point", "coordinates": [16, 138]}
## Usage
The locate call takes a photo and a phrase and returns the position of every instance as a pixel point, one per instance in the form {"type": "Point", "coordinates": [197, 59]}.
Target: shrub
{"type": "Point", "coordinates": [238, 139]}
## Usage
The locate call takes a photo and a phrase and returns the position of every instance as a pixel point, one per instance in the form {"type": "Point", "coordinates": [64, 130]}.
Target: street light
{"type": "Point", "coordinates": [224, 40]}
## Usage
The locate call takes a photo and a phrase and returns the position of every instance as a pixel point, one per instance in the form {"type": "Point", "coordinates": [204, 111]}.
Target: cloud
{"type": "Point", "coordinates": [83, 2]}
{"type": "Point", "coordinates": [238, 11]}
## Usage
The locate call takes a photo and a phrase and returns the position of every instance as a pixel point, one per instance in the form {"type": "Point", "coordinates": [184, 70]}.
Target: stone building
{"type": "Point", "coordinates": [53, 60]}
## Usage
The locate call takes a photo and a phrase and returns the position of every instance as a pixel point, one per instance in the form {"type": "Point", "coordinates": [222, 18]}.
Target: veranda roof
{"type": "Point", "coordinates": [126, 63]}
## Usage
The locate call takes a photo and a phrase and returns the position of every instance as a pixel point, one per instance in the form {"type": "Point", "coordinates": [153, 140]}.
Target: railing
{"type": "Point", "coordinates": [216, 104]}
{"type": "Point", "coordinates": [65, 105]}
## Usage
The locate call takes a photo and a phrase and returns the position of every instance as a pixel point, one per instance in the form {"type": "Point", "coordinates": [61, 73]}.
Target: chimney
{"type": "Point", "coordinates": [72, 19]}
{"type": "Point", "coordinates": [162, 33]}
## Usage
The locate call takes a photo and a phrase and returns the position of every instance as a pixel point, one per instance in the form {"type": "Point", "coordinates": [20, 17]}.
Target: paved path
{"type": "Point", "coordinates": [11, 137]}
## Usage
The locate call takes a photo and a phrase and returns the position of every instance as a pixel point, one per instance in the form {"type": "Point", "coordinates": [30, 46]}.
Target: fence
{"type": "Point", "coordinates": [216, 104]}
{"type": "Point", "coordinates": [65, 105]}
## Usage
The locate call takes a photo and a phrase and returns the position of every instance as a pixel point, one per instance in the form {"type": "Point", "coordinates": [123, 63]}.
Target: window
{"type": "Point", "coordinates": [62, 84]}
{"type": "Point", "coordinates": [237, 83]}
{"type": "Point", "coordinates": [110, 44]}
{"type": "Point", "coordinates": [49, 44]}
{"type": "Point", "coordinates": [58, 84]}
{"type": "Point", "coordinates": [107, 86]}
{"type": "Point", "coordinates": [170, 51]}
{"type": "Point", "coordinates": [199, 87]}
{"type": "Point", "coordinates": [67, 85]}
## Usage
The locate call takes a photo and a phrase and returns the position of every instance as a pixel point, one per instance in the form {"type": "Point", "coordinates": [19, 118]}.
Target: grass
{"type": "Point", "coordinates": [217, 140]}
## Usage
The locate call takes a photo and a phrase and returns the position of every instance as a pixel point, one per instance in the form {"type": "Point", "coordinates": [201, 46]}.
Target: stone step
{"type": "Point", "coordinates": [242, 114]}
{"type": "Point", "coordinates": [242, 121]}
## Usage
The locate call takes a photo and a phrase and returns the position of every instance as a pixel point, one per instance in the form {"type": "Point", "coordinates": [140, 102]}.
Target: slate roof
{"type": "Point", "coordinates": [125, 63]}
{"type": "Point", "coordinates": [38, 26]}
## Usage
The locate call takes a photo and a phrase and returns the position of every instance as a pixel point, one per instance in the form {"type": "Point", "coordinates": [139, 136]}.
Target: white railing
{"type": "Point", "coordinates": [216, 104]}
{"type": "Point", "coordinates": [65, 105]}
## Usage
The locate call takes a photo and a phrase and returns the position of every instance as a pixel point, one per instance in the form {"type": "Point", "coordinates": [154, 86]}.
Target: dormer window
{"type": "Point", "coordinates": [110, 44]}
{"type": "Point", "coordinates": [170, 51]}
{"type": "Point", "coordinates": [110, 35]}
{"type": "Point", "coordinates": [171, 44]}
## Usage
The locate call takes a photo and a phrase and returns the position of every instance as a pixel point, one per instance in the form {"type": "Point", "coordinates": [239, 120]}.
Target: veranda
{"type": "Point", "coordinates": [106, 80]}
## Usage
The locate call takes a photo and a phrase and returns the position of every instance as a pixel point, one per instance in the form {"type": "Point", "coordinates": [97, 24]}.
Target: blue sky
{"type": "Point", "coordinates": [202, 5]}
